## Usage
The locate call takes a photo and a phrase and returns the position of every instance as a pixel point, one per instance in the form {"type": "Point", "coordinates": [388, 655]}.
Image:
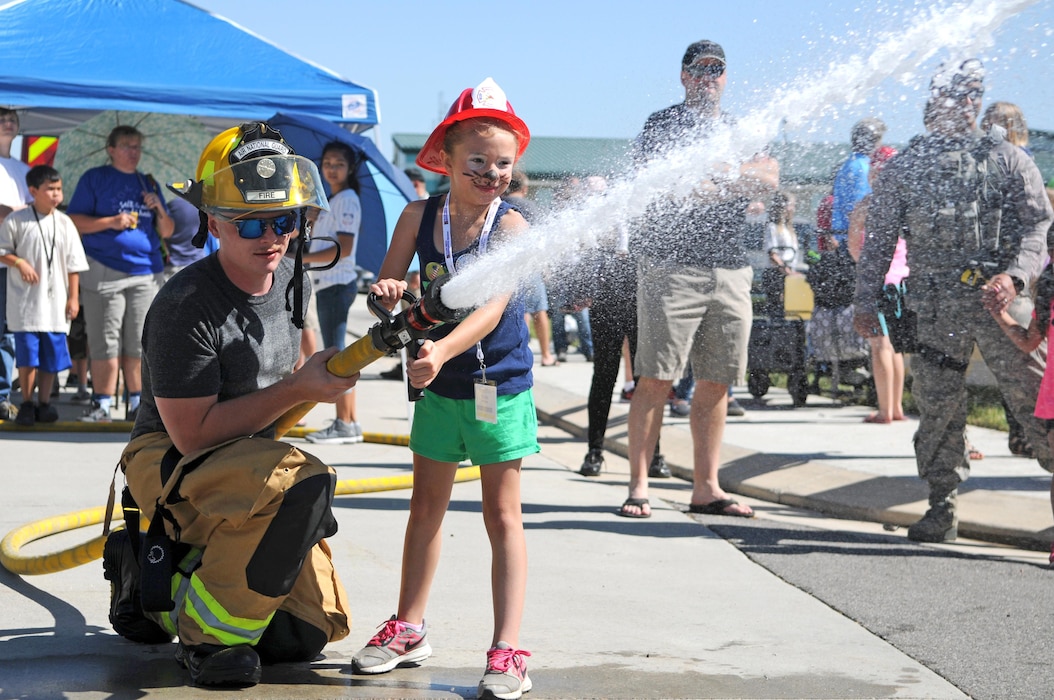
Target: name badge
{"type": "Point", "coordinates": [486, 401]}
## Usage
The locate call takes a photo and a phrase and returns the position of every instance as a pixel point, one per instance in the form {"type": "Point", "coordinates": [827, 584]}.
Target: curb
{"type": "Point", "coordinates": [818, 486]}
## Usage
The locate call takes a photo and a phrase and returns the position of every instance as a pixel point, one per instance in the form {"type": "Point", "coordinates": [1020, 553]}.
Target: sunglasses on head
{"type": "Point", "coordinates": [282, 225]}
{"type": "Point", "coordinates": [705, 70]}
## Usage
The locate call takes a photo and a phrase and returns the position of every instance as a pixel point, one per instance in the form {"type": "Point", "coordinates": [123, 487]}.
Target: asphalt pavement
{"type": "Point", "coordinates": [664, 607]}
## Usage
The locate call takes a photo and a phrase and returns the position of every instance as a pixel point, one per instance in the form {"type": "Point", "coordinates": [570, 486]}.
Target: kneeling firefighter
{"type": "Point", "coordinates": [235, 563]}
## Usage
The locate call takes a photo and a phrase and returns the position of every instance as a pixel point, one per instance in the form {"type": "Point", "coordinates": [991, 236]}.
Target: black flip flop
{"type": "Point", "coordinates": [718, 507]}
{"type": "Point", "coordinates": [639, 502]}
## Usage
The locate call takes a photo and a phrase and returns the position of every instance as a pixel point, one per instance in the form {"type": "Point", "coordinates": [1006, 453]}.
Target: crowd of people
{"type": "Point", "coordinates": [926, 252]}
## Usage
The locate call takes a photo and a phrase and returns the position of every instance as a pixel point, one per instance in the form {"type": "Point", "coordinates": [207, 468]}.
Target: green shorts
{"type": "Point", "coordinates": [446, 430]}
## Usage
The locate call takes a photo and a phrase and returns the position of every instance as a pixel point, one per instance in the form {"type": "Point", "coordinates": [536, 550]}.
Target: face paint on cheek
{"type": "Point", "coordinates": [487, 179]}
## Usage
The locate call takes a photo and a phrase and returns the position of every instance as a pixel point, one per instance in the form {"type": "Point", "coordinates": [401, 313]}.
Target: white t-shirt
{"type": "Point", "coordinates": [345, 216]}
{"type": "Point", "coordinates": [782, 236]}
{"type": "Point", "coordinates": [13, 190]}
{"type": "Point", "coordinates": [29, 306]}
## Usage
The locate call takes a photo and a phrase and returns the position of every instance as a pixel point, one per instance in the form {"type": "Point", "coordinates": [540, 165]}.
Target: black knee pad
{"type": "Point", "coordinates": [304, 518]}
{"type": "Point", "coordinates": [289, 639]}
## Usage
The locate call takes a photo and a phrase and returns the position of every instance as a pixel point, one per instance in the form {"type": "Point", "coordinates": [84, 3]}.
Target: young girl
{"type": "Point", "coordinates": [476, 146]}
{"type": "Point", "coordinates": [887, 365]}
{"type": "Point", "coordinates": [1027, 340]}
{"type": "Point", "coordinates": [336, 288]}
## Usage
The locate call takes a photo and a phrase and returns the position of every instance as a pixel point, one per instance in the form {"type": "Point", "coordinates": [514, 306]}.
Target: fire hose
{"type": "Point", "coordinates": [392, 333]}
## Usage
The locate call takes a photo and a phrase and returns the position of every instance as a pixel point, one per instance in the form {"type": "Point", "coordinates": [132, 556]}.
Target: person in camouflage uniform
{"type": "Point", "coordinates": [973, 212]}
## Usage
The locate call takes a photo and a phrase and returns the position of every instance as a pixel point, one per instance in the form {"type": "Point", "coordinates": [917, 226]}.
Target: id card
{"type": "Point", "coordinates": [486, 401]}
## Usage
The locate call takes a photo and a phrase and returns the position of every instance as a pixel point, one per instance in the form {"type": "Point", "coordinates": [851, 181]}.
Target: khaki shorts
{"type": "Point", "coordinates": [693, 314]}
{"type": "Point", "coordinates": [115, 306]}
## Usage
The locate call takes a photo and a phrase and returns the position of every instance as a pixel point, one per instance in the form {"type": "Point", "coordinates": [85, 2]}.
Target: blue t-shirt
{"type": "Point", "coordinates": [850, 186]}
{"type": "Point", "coordinates": [506, 349]}
{"type": "Point", "coordinates": [106, 191]}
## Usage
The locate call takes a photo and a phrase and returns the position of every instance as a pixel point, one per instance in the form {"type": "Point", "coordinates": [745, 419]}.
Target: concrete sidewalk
{"type": "Point", "coordinates": [616, 607]}
{"type": "Point", "coordinates": [823, 457]}
{"type": "Point", "coordinates": [613, 609]}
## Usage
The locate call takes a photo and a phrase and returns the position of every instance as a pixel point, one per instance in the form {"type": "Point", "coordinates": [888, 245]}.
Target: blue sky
{"type": "Point", "coordinates": [591, 68]}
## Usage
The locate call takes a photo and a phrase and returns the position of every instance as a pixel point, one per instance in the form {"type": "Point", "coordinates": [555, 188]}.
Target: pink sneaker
{"type": "Point", "coordinates": [506, 675]}
{"type": "Point", "coordinates": [394, 644]}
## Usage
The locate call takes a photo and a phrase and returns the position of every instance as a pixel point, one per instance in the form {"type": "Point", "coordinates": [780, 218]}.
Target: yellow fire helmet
{"type": "Point", "coordinates": [248, 169]}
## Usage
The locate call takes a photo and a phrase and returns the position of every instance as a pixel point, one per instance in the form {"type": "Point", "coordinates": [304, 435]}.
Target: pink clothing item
{"type": "Point", "coordinates": [898, 266]}
{"type": "Point", "coordinates": [1045, 400]}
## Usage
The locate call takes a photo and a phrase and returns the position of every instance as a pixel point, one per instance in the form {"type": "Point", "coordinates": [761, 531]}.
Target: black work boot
{"type": "Point", "coordinates": [121, 569]}
{"type": "Point", "coordinates": [658, 469]}
{"type": "Point", "coordinates": [592, 464]}
{"type": "Point", "coordinates": [940, 523]}
{"type": "Point", "coordinates": [214, 665]}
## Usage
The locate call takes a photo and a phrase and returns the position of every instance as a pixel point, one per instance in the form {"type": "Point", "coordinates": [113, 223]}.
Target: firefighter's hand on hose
{"type": "Point", "coordinates": [319, 384]}
{"type": "Point", "coordinates": [424, 368]}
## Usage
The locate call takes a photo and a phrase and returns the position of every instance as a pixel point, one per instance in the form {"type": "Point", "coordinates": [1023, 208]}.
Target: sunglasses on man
{"type": "Point", "coordinates": [282, 225]}
{"type": "Point", "coordinates": [705, 70]}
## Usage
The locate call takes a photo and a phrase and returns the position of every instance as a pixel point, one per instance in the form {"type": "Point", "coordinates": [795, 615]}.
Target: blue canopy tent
{"type": "Point", "coordinates": [385, 190]}
{"type": "Point", "coordinates": [60, 65]}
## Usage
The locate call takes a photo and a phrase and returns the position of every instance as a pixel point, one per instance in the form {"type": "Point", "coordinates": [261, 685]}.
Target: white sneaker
{"type": "Point", "coordinates": [338, 433]}
{"type": "Point", "coordinates": [96, 414]}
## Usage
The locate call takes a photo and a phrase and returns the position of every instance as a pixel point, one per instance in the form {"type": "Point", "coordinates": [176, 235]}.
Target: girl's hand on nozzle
{"type": "Point", "coordinates": [422, 370]}
{"type": "Point", "coordinates": [389, 291]}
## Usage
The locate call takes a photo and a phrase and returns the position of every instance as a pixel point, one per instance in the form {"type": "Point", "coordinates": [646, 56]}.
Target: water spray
{"type": "Point", "coordinates": [964, 29]}
{"type": "Point", "coordinates": [392, 333]}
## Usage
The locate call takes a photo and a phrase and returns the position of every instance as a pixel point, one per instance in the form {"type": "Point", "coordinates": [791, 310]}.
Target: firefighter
{"type": "Point", "coordinates": [236, 546]}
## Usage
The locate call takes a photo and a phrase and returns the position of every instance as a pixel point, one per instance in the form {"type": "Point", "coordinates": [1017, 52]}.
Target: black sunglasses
{"type": "Point", "coordinates": [705, 70]}
{"type": "Point", "coordinates": [252, 229]}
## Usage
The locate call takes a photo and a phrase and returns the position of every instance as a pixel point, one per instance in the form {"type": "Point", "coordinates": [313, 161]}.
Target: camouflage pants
{"type": "Point", "coordinates": [948, 326]}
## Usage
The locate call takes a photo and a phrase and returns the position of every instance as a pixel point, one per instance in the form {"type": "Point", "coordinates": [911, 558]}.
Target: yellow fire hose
{"type": "Point", "coordinates": [345, 363]}
{"type": "Point", "coordinates": [16, 563]}
{"type": "Point", "coordinates": [392, 333]}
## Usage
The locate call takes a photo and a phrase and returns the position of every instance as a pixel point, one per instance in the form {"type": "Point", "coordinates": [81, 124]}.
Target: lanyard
{"type": "Point", "coordinates": [49, 252]}
{"type": "Point", "coordinates": [484, 236]}
{"type": "Point", "coordinates": [448, 253]}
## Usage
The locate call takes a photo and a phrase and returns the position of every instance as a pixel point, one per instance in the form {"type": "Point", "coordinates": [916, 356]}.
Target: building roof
{"type": "Point", "coordinates": [553, 157]}
{"type": "Point", "coordinates": [550, 156]}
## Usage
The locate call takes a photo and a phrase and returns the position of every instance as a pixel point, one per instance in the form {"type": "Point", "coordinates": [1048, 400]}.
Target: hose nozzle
{"type": "Point", "coordinates": [396, 331]}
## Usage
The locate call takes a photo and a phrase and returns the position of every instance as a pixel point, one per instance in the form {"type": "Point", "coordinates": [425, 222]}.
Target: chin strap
{"type": "Point", "coordinates": [296, 285]}
{"type": "Point", "coordinates": [203, 230]}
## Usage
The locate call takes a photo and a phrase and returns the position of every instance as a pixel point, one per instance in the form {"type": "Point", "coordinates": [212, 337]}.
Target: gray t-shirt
{"type": "Point", "coordinates": [205, 337]}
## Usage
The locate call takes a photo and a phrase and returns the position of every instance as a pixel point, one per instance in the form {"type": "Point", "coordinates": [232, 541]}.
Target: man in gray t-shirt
{"type": "Point", "coordinates": [245, 514]}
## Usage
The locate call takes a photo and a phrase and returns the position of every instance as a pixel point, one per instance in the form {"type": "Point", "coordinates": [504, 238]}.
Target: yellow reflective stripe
{"type": "Point", "coordinates": [215, 621]}
{"type": "Point", "coordinates": [180, 586]}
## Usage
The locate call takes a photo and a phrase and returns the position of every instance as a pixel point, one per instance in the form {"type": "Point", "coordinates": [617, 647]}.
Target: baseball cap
{"type": "Point", "coordinates": [703, 49]}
